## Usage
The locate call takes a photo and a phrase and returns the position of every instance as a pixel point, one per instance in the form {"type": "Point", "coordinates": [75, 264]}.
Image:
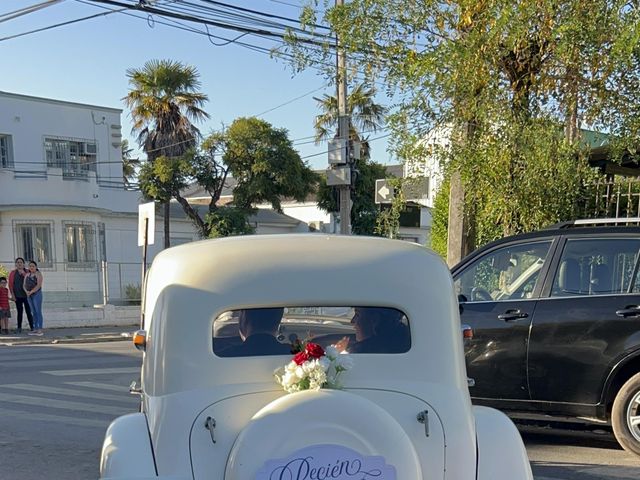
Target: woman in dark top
{"type": "Point", "coordinates": [33, 288]}
{"type": "Point", "coordinates": [16, 286]}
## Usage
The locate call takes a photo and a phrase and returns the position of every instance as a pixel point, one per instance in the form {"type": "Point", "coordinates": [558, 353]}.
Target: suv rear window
{"type": "Point", "coordinates": [279, 331]}
{"type": "Point", "coordinates": [597, 267]}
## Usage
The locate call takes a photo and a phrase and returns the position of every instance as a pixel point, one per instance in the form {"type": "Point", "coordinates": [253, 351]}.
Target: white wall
{"type": "Point", "coordinates": [309, 213]}
{"type": "Point", "coordinates": [28, 120]}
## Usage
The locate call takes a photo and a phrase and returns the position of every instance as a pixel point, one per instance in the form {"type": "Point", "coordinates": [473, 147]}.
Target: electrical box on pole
{"type": "Point", "coordinates": [339, 176]}
{"type": "Point", "coordinates": [337, 151]}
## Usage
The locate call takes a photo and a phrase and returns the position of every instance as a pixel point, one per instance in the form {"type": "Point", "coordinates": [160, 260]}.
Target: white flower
{"type": "Point", "coordinates": [314, 374]}
{"type": "Point", "coordinates": [324, 363]}
{"type": "Point", "coordinates": [344, 361]}
{"type": "Point", "coordinates": [331, 352]}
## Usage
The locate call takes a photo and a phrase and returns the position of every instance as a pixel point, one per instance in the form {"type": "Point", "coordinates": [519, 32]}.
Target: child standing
{"type": "Point", "coordinates": [5, 310]}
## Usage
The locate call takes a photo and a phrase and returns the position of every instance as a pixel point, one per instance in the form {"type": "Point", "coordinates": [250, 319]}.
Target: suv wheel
{"type": "Point", "coordinates": [625, 416]}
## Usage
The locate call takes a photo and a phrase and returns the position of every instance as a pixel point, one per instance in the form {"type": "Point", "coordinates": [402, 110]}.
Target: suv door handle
{"type": "Point", "coordinates": [512, 315]}
{"type": "Point", "coordinates": [629, 311]}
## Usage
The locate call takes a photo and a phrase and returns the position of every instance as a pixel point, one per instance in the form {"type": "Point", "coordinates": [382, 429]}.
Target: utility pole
{"type": "Point", "coordinates": [339, 171]}
{"type": "Point", "coordinates": [343, 134]}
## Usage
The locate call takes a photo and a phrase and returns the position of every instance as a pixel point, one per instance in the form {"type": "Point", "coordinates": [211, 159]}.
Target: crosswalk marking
{"type": "Point", "coordinates": [92, 371]}
{"type": "Point", "coordinates": [63, 404]}
{"type": "Point", "coordinates": [73, 362]}
{"type": "Point", "coordinates": [53, 356]}
{"type": "Point", "coordinates": [70, 392]}
{"type": "Point", "coordinates": [100, 386]}
{"type": "Point", "coordinates": [37, 416]}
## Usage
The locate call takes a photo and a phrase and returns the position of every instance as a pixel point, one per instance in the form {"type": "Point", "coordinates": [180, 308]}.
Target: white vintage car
{"type": "Point", "coordinates": [223, 315]}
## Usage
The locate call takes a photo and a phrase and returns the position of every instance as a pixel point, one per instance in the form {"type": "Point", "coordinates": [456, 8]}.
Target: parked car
{"type": "Point", "coordinates": [555, 316]}
{"type": "Point", "coordinates": [212, 408]}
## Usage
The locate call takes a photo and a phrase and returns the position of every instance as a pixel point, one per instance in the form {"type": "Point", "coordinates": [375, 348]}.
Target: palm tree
{"type": "Point", "coordinates": [129, 165]}
{"type": "Point", "coordinates": [164, 101]}
{"type": "Point", "coordinates": [366, 115]}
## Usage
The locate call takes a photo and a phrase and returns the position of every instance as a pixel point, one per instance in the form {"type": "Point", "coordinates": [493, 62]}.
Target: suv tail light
{"type": "Point", "coordinates": [467, 332]}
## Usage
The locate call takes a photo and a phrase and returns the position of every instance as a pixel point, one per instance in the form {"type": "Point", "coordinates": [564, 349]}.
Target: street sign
{"type": "Point", "coordinates": [146, 215]}
{"type": "Point", "coordinates": [384, 191]}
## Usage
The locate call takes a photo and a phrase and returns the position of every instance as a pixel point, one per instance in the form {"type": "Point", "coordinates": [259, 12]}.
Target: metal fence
{"type": "Point", "coordinates": [618, 198]}
{"type": "Point", "coordinates": [68, 285]}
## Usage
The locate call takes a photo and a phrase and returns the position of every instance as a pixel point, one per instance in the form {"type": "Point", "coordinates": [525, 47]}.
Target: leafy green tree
{"type": "Point", "coordinates": [365, 114]}
{"type": "Point", "coordinates": [164, 101]}
{"type": "Point", "coordinates": [227, 221]}
{"type": "Point", "coordinates": [264, 165]}
{"type": "Point", "coordinates": [512, 81]}
{"type": "Point", "coordinates": [388, 222]}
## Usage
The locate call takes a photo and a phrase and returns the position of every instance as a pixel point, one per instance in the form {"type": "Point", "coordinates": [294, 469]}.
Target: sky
{"type": "Point", "coordinates": [86, 62]}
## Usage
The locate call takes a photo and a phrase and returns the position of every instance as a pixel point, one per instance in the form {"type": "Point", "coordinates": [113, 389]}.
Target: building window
{"type": "Point", "coordinates": [34, 243]}
{"type": "Point", "coordinates": [6, 152]}
{"type": "Point", "coordinates": [76, 158]}
{"type": "Point", "coordinates": [80, 248]}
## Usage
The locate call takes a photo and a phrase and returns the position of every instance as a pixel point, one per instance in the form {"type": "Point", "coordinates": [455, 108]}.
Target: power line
{"type": "Point", "coordinates": [26, 10]}
{"type": "Point", "coordinates": [214, 23]}
{"type": "Point", "coordinates": [69, 22]}
{"type": "Point", "coordinates": [259, 12]}
{"type": "Point", "coordinates": [292, 100]}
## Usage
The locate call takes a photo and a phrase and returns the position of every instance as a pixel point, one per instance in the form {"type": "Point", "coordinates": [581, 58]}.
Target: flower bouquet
{"type": "Point", "coordinates": [313, 368]}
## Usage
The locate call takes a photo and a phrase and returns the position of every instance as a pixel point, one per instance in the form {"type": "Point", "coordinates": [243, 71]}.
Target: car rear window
{"type": "Point", "coordinates": [281, 331]}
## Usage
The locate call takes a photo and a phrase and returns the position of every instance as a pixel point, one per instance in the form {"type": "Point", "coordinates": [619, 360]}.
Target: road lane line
{"type": "Point", "coordinates": [125, 398]}
{"type": "Point", "coordinates": [44, 417]}
{"type": "Point", "coordinates": [91, 371]}
{"type": "Point", "coordinates": [41, 402]}
{"type": "Point", "coordinates": [100, 386]}
{"type": "Point", "coordinates": [71, 362]}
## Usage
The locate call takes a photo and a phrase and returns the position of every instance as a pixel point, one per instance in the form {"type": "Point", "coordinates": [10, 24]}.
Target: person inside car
{"type": "Point", "coordinates": [258, 329]}
{"type": "Point", "coordinates": [379, 330]}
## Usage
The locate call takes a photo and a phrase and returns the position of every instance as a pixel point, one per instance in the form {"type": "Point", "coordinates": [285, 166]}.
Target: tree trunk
{"type": "Point", "coordinates": [167, 223]}
{"type": "Point", "coordinates": [461, 223]}
{"type": "Point", "coordinates": [571, 107]}
{"type": "Point", "coordinates": [460, 232]}
{"type": "Point", "coordinates": [192, 213]}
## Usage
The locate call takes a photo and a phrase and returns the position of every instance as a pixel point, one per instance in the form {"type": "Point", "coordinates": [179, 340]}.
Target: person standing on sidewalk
{"type": "Point", "coordinates": [16, 287]}
{"type": "Point", "coordinates": [33, 288]}
{"type": "Point", "coordinates": [5, 309]}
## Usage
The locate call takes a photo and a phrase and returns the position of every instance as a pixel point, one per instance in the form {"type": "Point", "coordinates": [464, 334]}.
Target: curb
{"type": "Point", "coordinates": [64, 340]}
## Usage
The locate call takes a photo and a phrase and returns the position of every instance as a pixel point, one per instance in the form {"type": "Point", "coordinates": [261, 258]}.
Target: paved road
{"type": "Point", "coordinates": [56, 403]}
{"type": "Point", "coordinates": [57, 400]}
{"type": "Point", "coordinates": [570, 454]}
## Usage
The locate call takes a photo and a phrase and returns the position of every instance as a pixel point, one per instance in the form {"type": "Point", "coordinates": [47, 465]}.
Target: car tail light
{"type": "Point", "coordinates": [140, 340]}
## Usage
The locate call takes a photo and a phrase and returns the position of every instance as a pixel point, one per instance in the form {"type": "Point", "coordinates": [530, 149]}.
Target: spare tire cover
{"type": "Point", "coordinates": [325, 418]}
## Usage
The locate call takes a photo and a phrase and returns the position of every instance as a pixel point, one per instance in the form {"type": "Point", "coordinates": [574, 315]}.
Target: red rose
{"type": "Point", "coordinates": [314, 350]}
{"type": "Point", "coordinates": [300, 358]}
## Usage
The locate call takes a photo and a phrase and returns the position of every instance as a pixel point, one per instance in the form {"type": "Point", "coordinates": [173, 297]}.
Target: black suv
{"type": "Point", "coordinates": [556, 323]}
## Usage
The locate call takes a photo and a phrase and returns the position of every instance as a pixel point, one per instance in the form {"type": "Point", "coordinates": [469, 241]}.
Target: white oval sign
{"type": "Point", "coordinates": [327, 462]}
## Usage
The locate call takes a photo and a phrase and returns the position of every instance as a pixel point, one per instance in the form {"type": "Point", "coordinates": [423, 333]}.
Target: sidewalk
{"type": "Point", "coordinates": [71, 335]}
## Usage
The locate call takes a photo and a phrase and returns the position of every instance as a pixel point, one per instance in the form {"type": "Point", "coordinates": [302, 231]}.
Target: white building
{"type": "Point", "coordinates": [63, 202]}
{"type": "Point", "coordinates": [427, 165]}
